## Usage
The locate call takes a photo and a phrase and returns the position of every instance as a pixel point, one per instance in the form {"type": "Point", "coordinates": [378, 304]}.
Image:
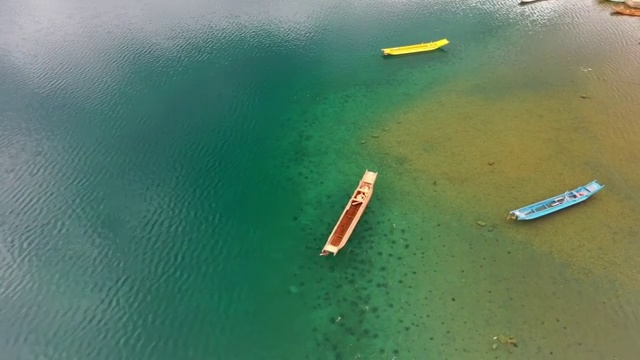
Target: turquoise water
{"type": "Point", "coordinates": [171, 171]}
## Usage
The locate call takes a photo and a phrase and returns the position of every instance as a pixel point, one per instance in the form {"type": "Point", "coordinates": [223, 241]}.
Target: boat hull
{"type": "Point", "coordinates": [351, 214]}
{"type": "Point", "coordinates": [627, 10]}
{"type": "Point", "coordinates": [417, 48]}
{"type": "Point", "coordinates": [634, 4]}
{"type": "Point", "coordinates": [556, 203]}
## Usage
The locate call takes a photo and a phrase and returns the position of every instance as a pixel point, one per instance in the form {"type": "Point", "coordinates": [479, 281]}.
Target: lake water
{"type": "Point", "coordinates": [170, 172]}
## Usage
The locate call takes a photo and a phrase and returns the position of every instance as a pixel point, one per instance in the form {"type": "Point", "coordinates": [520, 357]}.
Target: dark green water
{"type": "Point", "coordinates": [169, 173]}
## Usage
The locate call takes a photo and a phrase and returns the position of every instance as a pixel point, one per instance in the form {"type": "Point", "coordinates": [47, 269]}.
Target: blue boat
{"type": "Point", "coordinates": [546, 207]}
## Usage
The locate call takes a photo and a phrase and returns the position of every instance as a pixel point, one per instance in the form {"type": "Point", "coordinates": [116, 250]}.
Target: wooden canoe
{"type": "Point", "coordinates": [627, 10]}
{"type": "Point", "coordinates": [351, 214]}
{"type": "Point", "coordinates": [410, 49]}
{"type": "Point", "coordinates": [634, 4]}
{"type": "Point", "coordinates": [553, 204]}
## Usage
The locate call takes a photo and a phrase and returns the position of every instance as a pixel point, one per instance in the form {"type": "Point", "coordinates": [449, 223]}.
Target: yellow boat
{"type": "Point", "coordinates": [410, 49]}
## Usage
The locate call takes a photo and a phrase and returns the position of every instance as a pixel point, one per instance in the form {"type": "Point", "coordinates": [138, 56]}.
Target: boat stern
{"type": "Point", "coordinates": [369, 177]}
{"type": "Point", "coordinates": [442, 42]}
{"type": "Point", "coordinates": [329, 249]}
{"type": "Point", "coordinates": [522, 214]}
{"type": "Point", "coordinates": [593, 187]}
{"type": "Point", "coordinates": [514, 215]}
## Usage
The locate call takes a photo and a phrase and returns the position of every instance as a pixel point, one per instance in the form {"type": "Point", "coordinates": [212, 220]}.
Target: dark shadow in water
{"type": "Point", "coordinates": [433, 53]}
{"type": "Point", "coordinates": [529, 2]}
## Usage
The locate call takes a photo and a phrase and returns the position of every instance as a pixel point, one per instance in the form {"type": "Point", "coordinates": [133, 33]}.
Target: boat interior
{"type": "Point", "coordinates": [345, 223]}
